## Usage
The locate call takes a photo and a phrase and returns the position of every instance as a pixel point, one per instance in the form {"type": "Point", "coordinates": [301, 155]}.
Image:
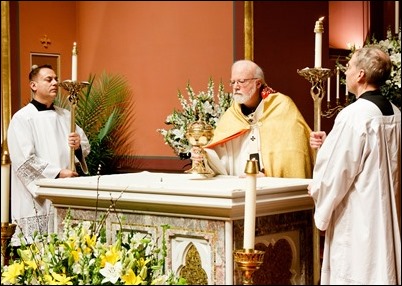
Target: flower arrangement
{"type": "Point", "coordinates": [392, 45]}
{"type": "Point", "coordinates": [81, 256]}
{"type": "Point", "coordinates": [204, 105]}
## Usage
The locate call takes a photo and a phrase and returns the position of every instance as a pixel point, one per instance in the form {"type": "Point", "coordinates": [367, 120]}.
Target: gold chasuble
{"type": "Point", "coordinates": [284, 136]}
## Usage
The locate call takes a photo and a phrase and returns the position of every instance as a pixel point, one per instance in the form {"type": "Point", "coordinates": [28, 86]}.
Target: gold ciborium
{"type": "Point", "coordinates": [199, 133]}
{"type": "Point", "coordinates": [248, 261]}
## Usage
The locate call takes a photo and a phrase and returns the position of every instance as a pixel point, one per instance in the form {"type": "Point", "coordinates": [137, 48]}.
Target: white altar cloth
{"type": "Point", "coordinates": [177, 194]}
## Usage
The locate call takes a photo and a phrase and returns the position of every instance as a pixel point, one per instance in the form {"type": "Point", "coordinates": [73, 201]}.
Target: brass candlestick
{"type": "Point", "coordinates": [73, 88]}
{"type": "Point", "coordinates": [199, 133]}
{"type": "Point", "coordinates": [7, 231]}
{"type": "Point", "coordinates": [248, 261]}
{"type": "Point", "coordinates": [316, 76]}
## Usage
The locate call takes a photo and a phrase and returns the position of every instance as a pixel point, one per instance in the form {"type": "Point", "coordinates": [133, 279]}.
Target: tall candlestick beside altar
{"type": "Point", "coordinates": [251, 171]}
{"type": "Point", "coordinates": [74, 65]}
{"type": "Point", "coordinates": [5, 193]}
{"type": "Point", "coordinates": [318, 30]}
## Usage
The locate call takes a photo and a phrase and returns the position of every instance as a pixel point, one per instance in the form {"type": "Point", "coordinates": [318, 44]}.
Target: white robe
{"type": "Point", "coordinates": [231, 157]}
{"type": "Point", "coordinates": [356, 189]}
{"type": "Point", "coordinates": [38, 145]}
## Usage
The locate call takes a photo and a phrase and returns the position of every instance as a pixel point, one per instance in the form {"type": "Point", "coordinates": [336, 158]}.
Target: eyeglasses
{"type": "Point", "coordinates": [241, 82]}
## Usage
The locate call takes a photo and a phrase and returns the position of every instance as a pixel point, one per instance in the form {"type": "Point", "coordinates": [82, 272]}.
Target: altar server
{"type": "Point", "coordinates": [356, 181]}
{"type": "Point", "coordinates": [40, 143]}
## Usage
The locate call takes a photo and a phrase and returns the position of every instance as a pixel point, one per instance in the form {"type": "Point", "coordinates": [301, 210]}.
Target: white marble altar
{"type": "Point", "coordinates": [205, 216]}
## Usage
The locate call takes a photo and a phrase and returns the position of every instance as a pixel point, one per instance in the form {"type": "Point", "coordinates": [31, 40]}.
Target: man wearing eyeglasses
{"type": "Point", "coordinates": [262, 124]}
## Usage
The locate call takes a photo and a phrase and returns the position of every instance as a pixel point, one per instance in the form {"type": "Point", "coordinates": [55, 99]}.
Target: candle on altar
{"type": "Point", "coordinates": [74, 63]}
{"type": "Point", "coordinates": [337, 82]}
{"type": "Point", "coordinates": [318, 30]}
{"type": "Point", "coordinates": [328, 89]}
{"type": "Point", "coordinates": [250, 204]}
{"type": "Point", "coordinates": [346, 91]}
{"type": "Point", "coordinates": [5, 193]}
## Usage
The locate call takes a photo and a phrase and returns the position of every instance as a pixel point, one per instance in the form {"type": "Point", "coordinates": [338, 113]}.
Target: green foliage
{"type": "Point", "coordinates": [103, 111]}
{"type": "Point", "coordinates": [81, 256]}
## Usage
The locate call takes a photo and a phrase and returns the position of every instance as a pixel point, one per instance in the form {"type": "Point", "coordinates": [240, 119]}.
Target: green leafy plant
{"type": "Point", "coordinates": [205, 104]}
{"type": "Point", "coordinates": [81, 255]}
{"type": "Point", "coordinates": [103, 111]}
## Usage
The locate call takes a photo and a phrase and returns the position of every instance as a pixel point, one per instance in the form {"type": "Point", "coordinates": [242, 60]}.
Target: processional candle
{"type": "Point", "coordinates": [74, 67]}
{"type": "Point", "coordinates": [318, 30]}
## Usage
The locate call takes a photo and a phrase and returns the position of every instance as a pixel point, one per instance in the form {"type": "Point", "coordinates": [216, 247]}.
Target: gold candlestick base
{"type": "Point", "coordinates": [248, 261]}
{"type": "Point", "coordinates": [7, 231]}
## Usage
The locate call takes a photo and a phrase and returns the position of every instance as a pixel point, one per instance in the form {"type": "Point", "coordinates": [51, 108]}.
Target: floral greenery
{"type": "Point", "coordinates": [392, 45]}
{"type": "Point", "coordinates": [81, 256]}
{"type": "Point", "coordinates": [104, 110]}
{"type": "Point", "coordinates": [203, 105]}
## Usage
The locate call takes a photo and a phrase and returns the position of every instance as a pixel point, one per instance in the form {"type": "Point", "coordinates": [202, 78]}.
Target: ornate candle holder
{"type": "Point", "coordinates": [199, 133]}
{"type": "Point", "coordinates": [248, 261]}
{"type": "Point", "coordinates": [7, 231]}
{"type": "Point", "coordinates": [316, 76]}
{"type": "Point", "coordinates": [73, 88]}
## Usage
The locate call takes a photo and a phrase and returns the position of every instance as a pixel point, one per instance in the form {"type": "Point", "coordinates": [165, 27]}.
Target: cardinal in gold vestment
{"type": "Point", "coordinates": [261, 123]}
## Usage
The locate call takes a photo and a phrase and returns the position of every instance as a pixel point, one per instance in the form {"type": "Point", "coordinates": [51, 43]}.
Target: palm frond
{"type": "Point", "coordinates": [103, 110]}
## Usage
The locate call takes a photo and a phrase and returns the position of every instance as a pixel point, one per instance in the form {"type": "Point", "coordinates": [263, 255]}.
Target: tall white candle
{"type": "Point", "coordinates": [74, 66]}
{"type": "Point", "coordinates": [337, 82]}
{"type": "Point", "coordinates": [5, 193]}
{"type": "Point", "coordinates": [346, 90]}
{"type": "Point", "coordinates": [318, 30]}
{"type": "Point", "coordinates": [328, 89]}
{"type": "Point", "coordinates": [250, 211]}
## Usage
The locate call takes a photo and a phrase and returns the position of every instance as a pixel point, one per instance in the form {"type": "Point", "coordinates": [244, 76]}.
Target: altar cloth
{"type": "Point", "coordinates": [173, 193]}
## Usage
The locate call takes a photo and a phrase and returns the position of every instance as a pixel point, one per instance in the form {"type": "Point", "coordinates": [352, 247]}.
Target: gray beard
{"type": "Point", "coordinates": [241, 98]}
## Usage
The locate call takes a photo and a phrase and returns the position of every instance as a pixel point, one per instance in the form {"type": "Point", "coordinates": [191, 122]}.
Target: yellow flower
{"type": "Point", "coordinates": [12, 272]}
{"type": "Point", "coordinates": [111, 256]}
{"type": "Point", "coordinates": [130, 278]}
{"type": "Point", "coordinates": [61, 279]}
{"type": "Point", "coordinates": [31, 264]}
{"type": "Point", "coordinates": [76, 255]}
{"type": "Point", "coordinates": [91, 241]}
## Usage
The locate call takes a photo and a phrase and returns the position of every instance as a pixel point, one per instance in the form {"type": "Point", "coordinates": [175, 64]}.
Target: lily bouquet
{"type": "Point", "coordinates": [205, 105]}
{"type": "Point", "coordinates": [81, 256]}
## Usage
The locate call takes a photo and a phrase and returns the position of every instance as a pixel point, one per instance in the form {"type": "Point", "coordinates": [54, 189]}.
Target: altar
{"type": "Point", "coordinates": [205, 219]}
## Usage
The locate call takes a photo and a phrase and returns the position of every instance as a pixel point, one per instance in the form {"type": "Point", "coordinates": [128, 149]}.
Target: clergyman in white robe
{"type": "Point", "coordinates": [356, 188]}
{"type": "Point", "coordinates": [38, 145]}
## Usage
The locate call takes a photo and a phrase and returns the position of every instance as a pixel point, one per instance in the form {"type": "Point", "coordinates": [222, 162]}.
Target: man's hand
{"type": "Point", "coordinates": [317, 138]}
{"type": "Point", "coordinates": [66, 173]}
{"type": "Point", "coordinates": [74, 140]}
